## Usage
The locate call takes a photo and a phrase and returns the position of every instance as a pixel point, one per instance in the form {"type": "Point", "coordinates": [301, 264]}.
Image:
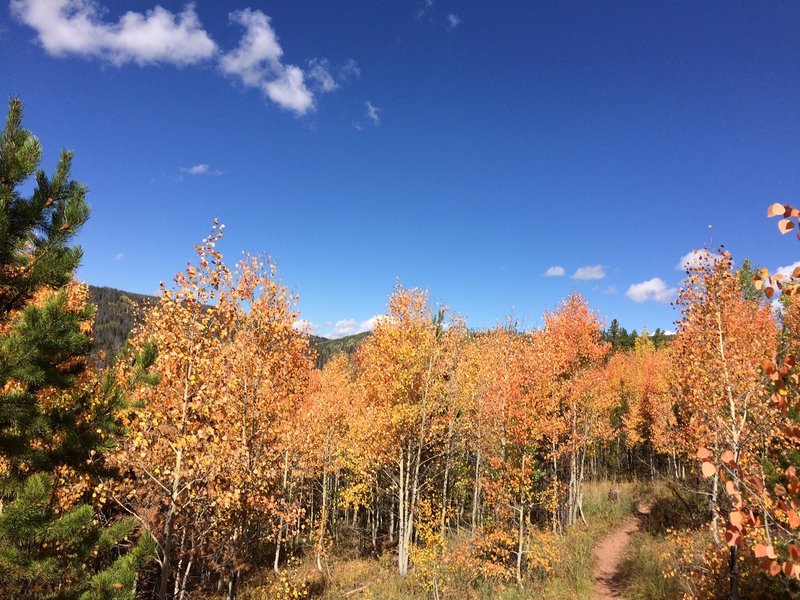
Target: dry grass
{"type": "Point", "coordinates": [354, 578]}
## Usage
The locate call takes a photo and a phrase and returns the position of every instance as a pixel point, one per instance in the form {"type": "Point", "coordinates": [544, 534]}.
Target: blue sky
{"type": "Point", "coordinates": [466, 147]}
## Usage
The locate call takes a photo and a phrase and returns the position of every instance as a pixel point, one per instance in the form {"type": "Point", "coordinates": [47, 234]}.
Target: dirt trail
{"type": "Point", "coordinates": [609, 552]}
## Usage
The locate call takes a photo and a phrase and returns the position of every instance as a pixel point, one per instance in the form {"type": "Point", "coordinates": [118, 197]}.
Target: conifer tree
{"type": "Point", "coordinates": [57, 417]}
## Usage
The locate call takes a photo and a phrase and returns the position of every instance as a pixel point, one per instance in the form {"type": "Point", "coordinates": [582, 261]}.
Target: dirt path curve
{"type": "Point", "coordinates": [608, 554]}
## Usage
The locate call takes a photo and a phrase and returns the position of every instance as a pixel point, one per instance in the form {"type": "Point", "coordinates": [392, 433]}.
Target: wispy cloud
{"type": "Point", "coordinates": [326, 78]}
{"type": "Point", "coordinates": [555, 271]}
{"type": "Point", "coordinates": [423, 10]}
{"type": "Point", "coordinates": [319, 71]}
{"type": "Point", "coordinates": [590, 273]}
{"type": "Point", "coordinates": [453, 21]}
{"type": "Point", "coordinates": [372, 113]}
{"type": "Point", "coordinates": [119, 256]}
{"type": "Point", "coordinates": [156, 36]}
{"type": "Point", "coordinates": [653, 289]}
{"type": "Point", "coordinates": [349, 70]}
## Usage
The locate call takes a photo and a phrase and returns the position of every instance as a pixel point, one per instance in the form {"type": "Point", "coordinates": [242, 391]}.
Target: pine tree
{"type": "Point", "coordinates": [745, 275]}
{"type": "Point", "coordinates": [57, 417]}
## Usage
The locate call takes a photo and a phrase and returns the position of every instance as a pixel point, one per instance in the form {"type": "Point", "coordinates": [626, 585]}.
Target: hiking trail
{"type": "Point", "coordinates": [610, 550]}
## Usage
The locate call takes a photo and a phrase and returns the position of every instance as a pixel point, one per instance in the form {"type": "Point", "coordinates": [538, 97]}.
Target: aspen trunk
{"type": "Point", "coordinates": [392, 509]}
{"type": "Point", "coordinates": [521, 529]}
{"type": "Point", "coordinates": [323, 519]}
{"type": "Point", "coordinates": [446, 477]}
{"type": "Point", "coordinates": [184, 580]}
{"type": "Point", "coordinates": [573, 489]}
{"type": "Point", "coordinates": [180, 563]}
{"type": "Point", "coordinates": [714, 510]}
{"type": "Point", "coordinates": [283, 525]}
{"type": "Point", "coordinates": [402, 540]}
{"type": "Point", "coordinates": [166, 564]}
{"type": "Point", "coordinates": [476, 491]}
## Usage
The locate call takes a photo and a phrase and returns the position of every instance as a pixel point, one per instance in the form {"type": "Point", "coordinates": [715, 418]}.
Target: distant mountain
{"type": "Point", "coordinates": [119, 311]}
{"type": "Point", "coordinates": [326, 348]}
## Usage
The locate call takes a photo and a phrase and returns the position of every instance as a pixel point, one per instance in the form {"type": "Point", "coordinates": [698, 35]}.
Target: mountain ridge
{"type": "Point", "coordinates": [118, 312]}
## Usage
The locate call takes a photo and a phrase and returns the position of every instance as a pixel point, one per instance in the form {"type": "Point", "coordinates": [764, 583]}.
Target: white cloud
{"type": "Point", "coordinates": [696, 258]}
{"type": "Point", "coordinates": [555, 271]}
{"type": "Point", "coordinates": [67, 27]}
{"type": "Point", "coordinates": [653, 289]}
{"type": "Point", "coordinates": [372, 113]}
{"type": "Point", "coordinates": [257, 63]}
{"type": "Point", "coordinates": [305, 326]}
{"type": "Point", "coordinates": [158, 36]}
{"type": "Point", "coordinates": [119, 256]}
{"type": "Point", "coordinates": [590, 273]}
{"type": "Point", "coordinates": [610, 290]}
{"type": "Point", "coordinates": [787, 270]}
{"type": "Point", "coordinates": [289, 91]}
{"type": "Point", "coordinates": [351, 327]}
{"type": "Point", "coordinates": [200, 169]}
{"type": "Point", "coordinates": [453, 21]}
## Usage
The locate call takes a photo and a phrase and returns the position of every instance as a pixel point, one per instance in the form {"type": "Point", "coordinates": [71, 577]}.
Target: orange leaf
{"type": "Point", "coordinates": [785, 226]}
{"type": "Point", "coordinates": [708, 469]}
{"type": "Point", "coordinates": [757, 483]}
{"type": "Point", "coordinates": [736, 518]}
{"type": "Point", "coordinates": [794, 519]}
{"type": "Point", "coordinates": [703, 453]}
{"type": "Point", "coordinates": [776, 210]}
{"type": "Point", "coordinates": [774, 568]}
{"type": "Point", "coordinates": [727, 456]}
{"type": "Point", "coordinates": [762, 551]}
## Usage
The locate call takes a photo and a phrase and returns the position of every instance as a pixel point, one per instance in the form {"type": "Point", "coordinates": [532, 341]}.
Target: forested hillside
{"type": "Point", "coordinates": [117, 311]}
